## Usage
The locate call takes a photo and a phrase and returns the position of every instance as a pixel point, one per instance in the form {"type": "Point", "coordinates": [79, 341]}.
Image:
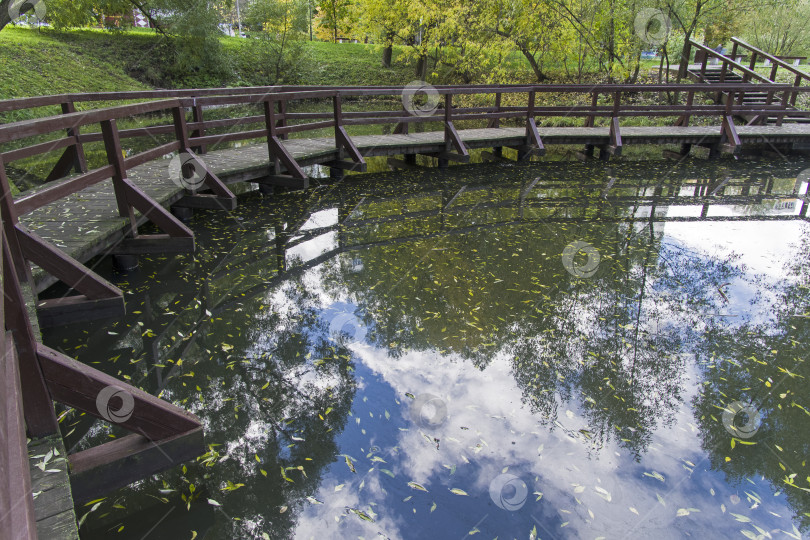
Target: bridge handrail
{"type": "Point", "coordinates": [727, 62]}
{"type": "Point", "coordinates": [777, 62]}
{"type": "Point", "coordinates": [191, 134]}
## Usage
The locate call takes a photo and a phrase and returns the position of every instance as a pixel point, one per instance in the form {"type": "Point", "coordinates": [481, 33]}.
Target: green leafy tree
{"type": "Point", "coordinates": [280, 28]}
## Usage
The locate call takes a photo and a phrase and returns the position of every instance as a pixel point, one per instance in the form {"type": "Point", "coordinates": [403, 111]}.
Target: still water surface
{"type": "Point", "coordinates": [560, 350]}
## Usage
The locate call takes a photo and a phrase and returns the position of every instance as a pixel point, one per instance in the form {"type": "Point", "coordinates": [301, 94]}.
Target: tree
{"type": "Point", "coordinates": [280, 26]}
{"type": "Point", "coordinates": [782, 30]}
{"type": "Point", "coordinates": [334, 15]}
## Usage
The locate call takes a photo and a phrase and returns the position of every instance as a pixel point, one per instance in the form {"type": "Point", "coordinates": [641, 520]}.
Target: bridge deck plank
{"type": "Point", "coordinates": [86, 223]}
{"type": "Point", "coordinates": [50, 483]}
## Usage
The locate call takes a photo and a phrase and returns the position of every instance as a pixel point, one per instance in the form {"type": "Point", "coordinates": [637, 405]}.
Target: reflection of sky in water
{"type": "Point", "coordinates": [586, 492]}
{"type": "Point", "coordinates": [583, 480]}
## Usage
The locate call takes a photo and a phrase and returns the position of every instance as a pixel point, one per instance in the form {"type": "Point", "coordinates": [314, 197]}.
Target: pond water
{"type": "Point", "coordinates": [554, 350]}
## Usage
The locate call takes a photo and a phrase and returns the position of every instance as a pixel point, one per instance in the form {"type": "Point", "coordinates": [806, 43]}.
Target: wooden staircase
{"type": "Point", "coordinates": [728, 71]}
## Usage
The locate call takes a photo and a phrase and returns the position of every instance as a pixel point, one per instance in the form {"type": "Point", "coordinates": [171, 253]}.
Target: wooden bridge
{"type": "Point", "coordinates": [97, 203]}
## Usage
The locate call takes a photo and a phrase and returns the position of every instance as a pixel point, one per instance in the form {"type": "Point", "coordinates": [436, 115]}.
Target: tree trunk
{"type": "Point", "coordinates": [5, 16]}
{"type": "Point", "coordinates": [686, 52]}
{"type": "Point", "coordinates": [388, 51]}
{"type": "Point", "coordinates": [535, 67]}
{"type": "Point", "coordinates": [634, 77]}
{"type": "Point", "coordinates": [421, 67]}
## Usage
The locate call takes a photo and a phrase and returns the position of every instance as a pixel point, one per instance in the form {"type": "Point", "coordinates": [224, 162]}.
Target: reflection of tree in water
{"type": "Point", "coordinates": [614, 340]}
{"type": "Point", "coordinates": [271, 388]}
{"type": "Point", "coordinates": [765, 364]}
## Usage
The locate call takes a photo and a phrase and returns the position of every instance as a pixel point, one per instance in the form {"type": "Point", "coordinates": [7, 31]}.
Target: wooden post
{"type": "Point", "coordinates": [448, 117]}
{"type": "Point", "coordinates": [282, 118]}
{"type": "Point", "coordinates": [115, 157]}
{"type": "Point", "coordinates": [197, 111]}
{"type": "Point", "coordinates": [270, 124]}
{"type": "Point", "coordinates": [37, 404]}
{"type": "Point", "coordinates": [785, 101]}
{"type": "Point", "coordinates": [337, 172]}
{"type": "Point", "coordinates": [80, 162]}
{"type": "Point", "coordinates": [589, 120]}
{"type": "Point", "coordinates": [796, 83]}
{"type": "Point", "coordinates": [338, 116]}
{"type": "Point", "coordinates": [496, 122]}
{"type": "Point", "coordinates": [10, 219]}
{"type": "Point", "coordinates": [180, 127]}
{"type": "Point", "coordinates": [684, 119]}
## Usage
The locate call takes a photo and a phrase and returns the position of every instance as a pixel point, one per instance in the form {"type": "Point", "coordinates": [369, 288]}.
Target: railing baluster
{"type": "Point", "coordinates": [78, 149]}
{"type": "Point", "coordinates": [589, 120]}
{"type": "Point", "coordinates": [496, 122]}
{"type": "Point", "coordinates": [197, 111]}
{"type": "Point", "coordinates": [338, 115]}
{"type": "Point", "coordinates": [270, 124]}
{"type": "Point", "coordinates": [282, 118]}
{"type": "Point", "coordinates": [180, 127]}
{"type": "Point", "coordinates": [448, 117]}
{"type": "Point", "coordinates": [796, 83]}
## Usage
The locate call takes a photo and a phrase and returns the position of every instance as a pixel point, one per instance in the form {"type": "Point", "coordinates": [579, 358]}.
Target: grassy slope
{"type": "Point", "coordinates": [38, 63]}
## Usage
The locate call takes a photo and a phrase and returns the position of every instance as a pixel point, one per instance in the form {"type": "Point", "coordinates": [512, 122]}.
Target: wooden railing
{"type": "Point", "coordinates": [776, 62]}
{"type": "Point", "coordinates": [16, 504]}
{"type": "Point", "coordinates": [33, 376]}
{"type": "Point", "coordinates": [274, 123]}
{"type": "Point", "coordinates": [728, 65]}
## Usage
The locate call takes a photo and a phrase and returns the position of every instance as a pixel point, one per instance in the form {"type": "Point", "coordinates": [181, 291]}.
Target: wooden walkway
{"type": "Point", "coordinates": [87, 223]}
{"type": "Point", "coordinates": [50, 482]}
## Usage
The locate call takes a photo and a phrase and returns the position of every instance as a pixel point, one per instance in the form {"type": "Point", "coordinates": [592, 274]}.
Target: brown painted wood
{"type": "Point", "coordinates": [68, 270]}
{"type": "Point", "coordinates": [344, 142]}
{"type": "Point", "coordinates": [79, 385]}
{"type": "Point", "coordinates": [63, 166]}
{"type": "Point", "coordinates": [78, 308]}
{"type": "Point", "coordinates": [115, 157]}
{"type": "Point", "coordinates": [729, 138]}
{"type": "Point", "coordinates": [230, 137]}
{"type": "Point", "coordinates": [80, 161]}
{"type": "Point", "coordinates": [615, 146]}
{"type": "Point", "coordinates": [62, 189]}
{"type": "Point", "coordinates": [40, 126]}
{"type": "Point", "coordinates": [155, 212]}
{"type": "Point", "coordinates": [37, 405]}
{"type": "Point", "coordinates": [17, 520]}
{"type": "Point", "coordinates": [211, 180]}
{"type": "Point", "coordinates": [203, 200]}
{"type": "Point", "coordinates": [36, 149]}
{"type": "Point", "coordinates": [113, 465]}
{"type": "Point", "coordinates": [199, 125]}
{"type": "Point", "coordinates": [150, 155]}
{"type": "Point", "coordinates": [279, 151]}
{"type": "Point", "coordinates": [533, 137]}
